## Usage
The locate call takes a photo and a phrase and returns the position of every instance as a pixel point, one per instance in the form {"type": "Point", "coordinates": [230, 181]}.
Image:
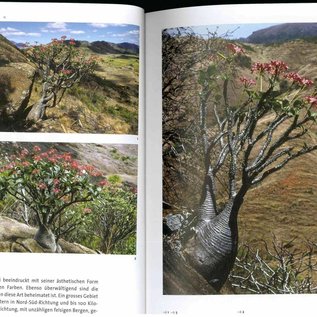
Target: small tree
{"type": "Point", "coordinates": [49, 183]}
{"type": "Point", "coordinates": [60, 65]}
{"type": "Point", "coordinates": [115, 217]}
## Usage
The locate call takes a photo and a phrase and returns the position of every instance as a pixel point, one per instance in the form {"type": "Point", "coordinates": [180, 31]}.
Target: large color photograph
{"type": "Point", "coordinates": [68, 198]}
{"type": "Point", "coordinates": [239, 159]}
{"type": "Point", "coordinates": [69, 77]}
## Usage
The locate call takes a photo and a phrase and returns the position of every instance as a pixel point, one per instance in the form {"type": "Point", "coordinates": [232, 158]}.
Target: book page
{"type": "Point", "coordinates": [71, 156]}
{"type": "Point", "coordinates": [230, 185]}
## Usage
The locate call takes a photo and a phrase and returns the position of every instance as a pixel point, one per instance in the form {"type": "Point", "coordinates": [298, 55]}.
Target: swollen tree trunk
{"type": "Point", "coordinates": [213, 248]}
{"type": "Point", "coordinates": [46, 239]}
{"type": "Point", "coordinates": [38, 110]}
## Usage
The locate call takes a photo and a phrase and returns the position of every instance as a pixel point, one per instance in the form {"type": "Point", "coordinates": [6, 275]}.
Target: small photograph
{"type": "Point", "coordinates": [69, 77]}
{"type": "Point", "coordinates": [68, 198]}
{"type": "Point", "coordinates": [239, 159]}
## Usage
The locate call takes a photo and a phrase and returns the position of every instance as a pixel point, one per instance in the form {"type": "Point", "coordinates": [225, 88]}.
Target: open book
{"type": "Point", "coordinates": [159, 163]}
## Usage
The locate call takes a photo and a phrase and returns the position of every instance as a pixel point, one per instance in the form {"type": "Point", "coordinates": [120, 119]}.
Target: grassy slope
{"type": "Point", "coordinates": [105, 102]}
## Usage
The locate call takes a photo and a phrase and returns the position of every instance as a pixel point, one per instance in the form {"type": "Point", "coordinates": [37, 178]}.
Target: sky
{"type": "Point", "coordinates": [38, 32]}
{"type": "Point", "coordinates": [236, 31]}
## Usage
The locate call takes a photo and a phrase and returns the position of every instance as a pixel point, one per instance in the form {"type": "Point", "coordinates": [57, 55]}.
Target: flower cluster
{"type": "Point", "coordinates": [297, 79]}
{"type": "Point", "coordinates": [275, 67]}
{"type": "Point", "coordinates": [247, 82]}
{"type": "Point", "coordinates": [50, 171]}
{"type": "Point", "coordinates": [312, 100]}
{"type": "Point", "coordinates": [235, 49]}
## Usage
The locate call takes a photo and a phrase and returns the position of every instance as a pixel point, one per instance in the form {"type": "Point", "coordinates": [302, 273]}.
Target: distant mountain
{"type": "Point", "coordinates": [103, 47]}
{"type": "Point", "coordinates": [133, 48]}
{"type": "Point", "coordinates": [283, 32]}
{"type": "Point", "coordinates": [19, 45]}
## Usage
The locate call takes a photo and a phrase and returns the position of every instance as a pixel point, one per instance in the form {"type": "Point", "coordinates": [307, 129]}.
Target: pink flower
{"type": "Point", "coordinates": [235, 48]}
{"type": "Point", "coordinates": [298, 79]}
{"type": "Point", "coordinates": [67, 157]}
{"type": "Point", "coordinates": [24, 152]}
{"type": "Point", "coordinates": [56, 190]}
{"type": "Point", "coordinates": [42, 186]}
{"type": "Point", "coordinates": [275, 67]}
{"type": "Point", "coordinates": [66, 71]}
{"type": "Point", "coordinates": [56, 181]}
{"type": "Point", "coordinates": [87, 211]}
{"type": "Point", "coordinates": [103, 182]}
{"type": "Point", "coordinates": [312, 100]}
{"type": "Point", "coordinates": [247, 82]}
{"type": "Point", "coordinates": [26, 164]}
{"type": "Point", "coordinates": [36, 149]}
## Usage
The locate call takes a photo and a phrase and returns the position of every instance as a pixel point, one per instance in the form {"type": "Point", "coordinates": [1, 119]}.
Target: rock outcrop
{"type": "Point", "coordinates": [18, 237]}
{"type": "Point", "coordinates": [16, 80]}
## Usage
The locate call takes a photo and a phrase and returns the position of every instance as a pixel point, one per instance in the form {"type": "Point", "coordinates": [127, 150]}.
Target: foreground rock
{"type": "Point", "coordinates": [18, 237]}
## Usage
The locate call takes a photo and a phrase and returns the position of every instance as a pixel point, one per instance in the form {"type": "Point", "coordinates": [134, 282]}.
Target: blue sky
{"type": "Point", "coordinates": [235, 30]}
{"type": "Point", "coordinates": [32, 32]}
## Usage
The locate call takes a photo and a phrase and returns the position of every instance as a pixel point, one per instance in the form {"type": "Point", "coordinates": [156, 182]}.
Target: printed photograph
{"type": "Point", "coordinates": [68, 198]}
{"type": "Point", "coordinates": [239, 159]}
{"type": "Point", "coordinates": [69, 77]}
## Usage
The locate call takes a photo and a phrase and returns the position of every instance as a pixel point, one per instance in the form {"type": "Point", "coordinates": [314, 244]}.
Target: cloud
{"type": "Point", "coordinates": [125, 34]}
{"type": "Point", "coordinates": [133, 32]}
{"type": "Point", "coordinates": [77, 32]}
{"type": "Point", "coordinates": [99, 25]}
{"type": "Point", "coordinates": [55, 27]}
{"type": "Point", "coordinates": [105, 25]}
{"type": "Point", "coordinates": [8, 31]}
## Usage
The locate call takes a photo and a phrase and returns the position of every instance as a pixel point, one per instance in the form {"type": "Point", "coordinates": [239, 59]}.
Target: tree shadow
{"type": "Point", "coordinates": [5, 89]}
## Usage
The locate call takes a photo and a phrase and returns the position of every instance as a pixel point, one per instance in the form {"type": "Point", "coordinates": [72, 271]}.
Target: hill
{"type": "Point", "coordinates": [103, 47]}
{"type": "Point", "coordinates": [283, 32]}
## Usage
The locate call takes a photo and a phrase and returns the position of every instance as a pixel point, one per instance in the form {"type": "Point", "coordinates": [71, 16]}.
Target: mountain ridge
{"type": "Point", "coordinates": [282, 33]}
{"type": "Point", "coordinates": [101, 47]}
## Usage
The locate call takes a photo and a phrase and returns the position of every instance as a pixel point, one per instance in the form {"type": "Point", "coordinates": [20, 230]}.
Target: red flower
{"type": "Point", "coordinates": [56, 190]}
{"type": "Point", "coordinates": [103, 182]}
{"type": "Point", "coordinates": [274, 67]}
{"type": "Point", "coordinates": [24, 152]}
{"type": "Point", "coordinates": [235, 48]}
{"type": "Point", "coordinates": [42, 186]}
{"type": "Point", "coordinates": [312, 100]}
{"type": "Point", "coordinates": [36, 148]}
{"type": "Point", "coordinates": [247, 82]}
{"type": "Point", "coordinates": [298, 79]}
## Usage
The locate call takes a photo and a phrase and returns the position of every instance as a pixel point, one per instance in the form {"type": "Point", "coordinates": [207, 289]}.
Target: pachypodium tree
{"type": "Point", "coordinates": [49, 183]}
{"type": "Point", "coordinates": [60, 65]}
{"type": "Point", "coordinates": [253, 137]}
